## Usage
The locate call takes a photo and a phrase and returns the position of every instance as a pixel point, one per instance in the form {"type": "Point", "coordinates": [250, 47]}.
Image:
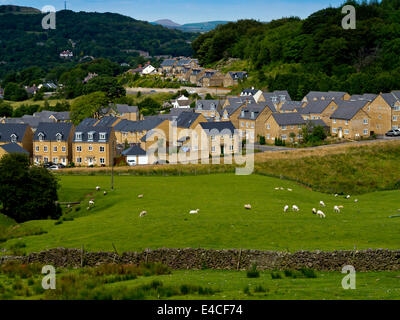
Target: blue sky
{"type": "Point", "coordinates": [185, 11]}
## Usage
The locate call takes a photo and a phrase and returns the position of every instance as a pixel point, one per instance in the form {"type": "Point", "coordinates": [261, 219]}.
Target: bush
{"type": "Point", "coordinates": [276, 275]}
{"type": "Point", "coordinates": [252, 272]}
{"type": "Point", "coordinates": [308, 273]}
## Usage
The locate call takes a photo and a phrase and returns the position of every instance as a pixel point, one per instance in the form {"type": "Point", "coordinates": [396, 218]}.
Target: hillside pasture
{"type": "Point", "coordinates": [222, 222]}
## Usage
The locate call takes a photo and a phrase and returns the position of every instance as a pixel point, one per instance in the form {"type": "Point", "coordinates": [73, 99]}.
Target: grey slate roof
{"type": "Point", "coordinates": [391, 98]}
{"type": "Point", "coordinates": [249, 91]}
{"type": "Point", "coordinates": [207, 104]}
{"type": "Point", "coordinates": [88, 122]}
{"type": "Point", "coordinates": [315, 107]}
{"type": "Point", "coordinates": [106, 121]}
{"type": "Point", "coordinates": [330, 95]}
{"type": "Point", "coordinates": [14, 148]}
{"type": "Point", "coordinates": [256, 109]}
{"type": "Point", "coordinates": [214, 128]}
{"type": "Point", "coordinates": [64, 116]}
{"type": "Point", "coordinates": [277, 96]}
{"type": "Point", "coordinates": [138, 126]}
{"type": "Point", "coordinates": [241, 100]}
{"type": "Point", "coordinates": [134, 151]}
{"type": "Point", "coordinates": [236, 75]}
{"type": "Point", "coordinates": [291, 105]}
{"type": "Point", "coordinates": [121, 109]}
{"type": "Point", "coordinates": [85, 130]}
{"type": "Point", "coordinates": [365, 96]}
{"type": "Point", "coordinates": [168, 63]}
{"type": "Point", "coordinates": [318, 122]}
{"type": "Point", "coordinates": [9, 129]}
{"type": "Point", "coordinates": [288, 119]}
{"type": "Point", "coordinates": [348, 109]}
{"type": "Point", "coordinates": [50, 131]}
{"type": "Point", "coordinates": [185, 119]}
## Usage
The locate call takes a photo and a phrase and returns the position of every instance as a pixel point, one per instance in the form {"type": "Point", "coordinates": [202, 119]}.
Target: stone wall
{"type": "Point", "coordinates": [365, 260]}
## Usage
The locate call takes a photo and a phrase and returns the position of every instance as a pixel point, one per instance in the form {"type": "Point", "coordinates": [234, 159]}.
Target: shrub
{"type": "Point", "coordinates": [260, 289]}
{"type": "Point", "coordinates": [308, 273]}
{"type": "Point", "coordinates": [247, 291]}
{"type": "Point", "coordinates": [276, 275]}
{"type": "Point", "coordinates": [252, 272]}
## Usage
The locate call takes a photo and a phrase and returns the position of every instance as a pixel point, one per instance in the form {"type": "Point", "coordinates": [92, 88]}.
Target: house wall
{"type": "Point", "coordinates": [380, 113]}
{"type": "Point", "coordinates": [354, 126]}
{"type": "Point", "coordinates": [273, 130]}
{"type": "Point", "coordinates": [396, 116]}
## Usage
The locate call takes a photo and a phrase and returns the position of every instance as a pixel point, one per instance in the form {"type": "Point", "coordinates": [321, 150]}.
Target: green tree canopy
{"type": "Point", "coordinates": [88, 106]}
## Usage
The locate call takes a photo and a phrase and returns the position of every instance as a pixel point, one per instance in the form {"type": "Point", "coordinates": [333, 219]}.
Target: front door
{"type": "Point", "coordinates": [90, 161]}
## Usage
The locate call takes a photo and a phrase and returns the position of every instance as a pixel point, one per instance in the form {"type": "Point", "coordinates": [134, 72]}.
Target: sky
{"type": "Point", "coordinates": [187, 11]}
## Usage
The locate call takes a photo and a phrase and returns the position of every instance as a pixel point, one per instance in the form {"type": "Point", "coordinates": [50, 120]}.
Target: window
{"type": "Point", "coordinates": [45, 159]}
{"type": "Point", "coordinates": [37, 148]}
{"type": "Point", "coordinates": [90, 136]}
{"type": "Point", "coordinates": [212, 138]}
{"type": "Point", "coordinates": [346, 122]}
{"type": "Point", "coordinates": [268, 126]}
{"type": "Point", "coordinates": [58, 137]}
{"type": "Point", "coordinates": [380, 117]}
{"type": "Point", "coordinates": [55, 160]}
{"type": "Point", "coordinates": [40, 136]}
{"type": "Point", "coordinates": [365, 131]}
{"type": "Point", "coordinates": [346, 131]}
{"type": "Point", "coordinates": [102, 136]}
{"type": "Point", "coordinates": [231, 148]}
{"type": "Point", "coordinates": [334, 120]}
{"type": "Point", "coordinates": [268, 136]}
{"type": "Point", "coordinates": [45, 148]}
{"type": "Point", "coordinates": [102, 161]}
{"type": "Point", "coordinates": [284, 137]}
{"type": "Point", "coordinates": [394, 118]}
{"type": "Point", "coordinates": [78, 160]}
{"type": "Point", "coordinates": [63, 149]}
{"type": "Point", "coordinates": [78, 136]}
{"type": "Point", "coordinates": [102, 149]}
{"type": "Point", "coordinates": [55, 149]}
{"type": "Point", "coordinates": [334, 130]}
{"type": "Point", "coordinates": [299, 127]}
{"type": "Point", "coordinates": [79, 148]}
{"type": "Point", "coordinates": [212, 149]}
{"type": "Point", "coordinates": [252, 125]}
{"type": "Point", "coordinates": [247, 124]}
{"type": "Point", "coordinates": [365, 121]}
{"type": "Point", "coordinates": [90, 148]}
{"type": "Point", "coordinates": [13, 138]}
{"type": "Point", "coordinates": [283, 127]}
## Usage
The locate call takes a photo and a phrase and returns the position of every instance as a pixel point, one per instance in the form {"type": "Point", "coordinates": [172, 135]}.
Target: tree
{"type": "Point", "coordinates": [109, 85]}
{"type": "Point", "coordinates": [149, 106]}
{"type": "Point", "coordinates": [27, 193]}
{"type": "Point", "coordinates": [14, 92]}
{"type": "Point", "coordinates": [5, 109]}
{"type": "Point", "coordinates": [88, 106]}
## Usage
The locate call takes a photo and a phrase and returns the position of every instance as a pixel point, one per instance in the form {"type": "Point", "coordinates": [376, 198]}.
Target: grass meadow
{"type": "Point", "coordinates": [222, 222]}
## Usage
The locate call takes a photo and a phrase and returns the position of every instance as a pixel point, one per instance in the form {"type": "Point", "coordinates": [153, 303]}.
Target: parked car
{"type": "Point", "coordinates": [60, 166]}
{"type": "Point", "coordinates": [53, 167]}
{"type": "Point", "coordinates": [393, 133]}
{"type": "Point", "coordinates": [47, 165]}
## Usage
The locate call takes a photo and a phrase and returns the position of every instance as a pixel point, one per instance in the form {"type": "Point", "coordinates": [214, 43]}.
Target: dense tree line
{"type": "Point", "coordinates": [315, 53]}
{"type": "Point", "coordinates": [24, 43]}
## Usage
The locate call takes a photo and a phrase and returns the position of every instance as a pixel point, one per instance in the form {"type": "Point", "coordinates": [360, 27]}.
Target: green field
{"type": "Point", "coordinates": [222, 223]}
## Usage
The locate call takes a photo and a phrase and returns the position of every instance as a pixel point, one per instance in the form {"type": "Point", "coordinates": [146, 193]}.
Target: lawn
{"type": "Point", "coordinates": [222, 222]}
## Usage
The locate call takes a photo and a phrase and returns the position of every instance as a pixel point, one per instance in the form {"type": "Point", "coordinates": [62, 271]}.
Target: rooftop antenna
{"type": "Point", "coordinates": [65, 5]}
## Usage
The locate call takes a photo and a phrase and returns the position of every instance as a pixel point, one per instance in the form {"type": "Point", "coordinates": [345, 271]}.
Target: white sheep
{"type": "Point", "coordinates": [276, 188]}
{"type": "Point", "coordinates": [142, 214]}
{"type": "Point", "coordinates": [247, 206]}
{"type": "Point", "coordinates": [320, 214]}
{"type": "Point", "coordinates": [105, 193]}
{"type": "Point", "coordinates": [336, 194]}
{"type": "Point", "coordinates": [140, 196]}
{"type": "Point", "coordinates": [91, 203]}
{"type": "Point", "coordinates": [348, 196]}
{"type": "Point", "coordinates": [281, 188]}
{"type": "Point", "coordinates": [356, 200]}
{"type": "Point", "coordinates": [336, 209]}
{"type": "Point", "coordinates": [286, 208]}
{"type": "Point", "coordinates": [314, 211]}
{"type": "Point", "coordinates": [295, 208]}
{"type": "Point", "coordinates": [322, 203]}
{"type": "Point", "coordinates": [289, 190]}
{"type": "Point", "coordinates": [194, 211]}
{"type": "Point", "coordinates": [98, 188]}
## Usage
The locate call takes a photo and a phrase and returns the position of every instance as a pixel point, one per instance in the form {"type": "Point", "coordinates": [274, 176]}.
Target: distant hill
{"type": "Point", "coordinates": [167, 23]}
{"type": "Point", "coordinates": [190, 27]}
{"type": "Point", "coordinates": [18, 10]}
{"type": "Point", "coordinates": [23, 42]}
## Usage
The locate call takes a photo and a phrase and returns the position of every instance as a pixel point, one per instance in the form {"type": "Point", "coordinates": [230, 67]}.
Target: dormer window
{"type": "Point", "coordinates": [78, 136]}
{"type": "Point", "coordinates": [252, 115]}
{"type": "Point", "coordinates": [13, 138]}
{"type": "Point", "coordinates": [242, 113]}
{"type": "Point", "coordinates": [102, 136]}
{"type": "Point", "coordinates": [58, 137]}
{"type": "Point", "coordinates": [90, 136]}
{"type": "Point", "coordinates": [200, 106]}
{"type": "Point", "coordinates": [41, 136]}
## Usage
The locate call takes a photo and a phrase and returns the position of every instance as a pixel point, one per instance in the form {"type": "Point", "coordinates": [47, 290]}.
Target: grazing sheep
{"type": "Point", "coordinates": [98, 188]}
{"type": "Point", "coordinates": [289, 190]}
{"type": "Point", "coordinates": [295, 208]}
{"type": "Point", "coordinates": [336, 194]}
{"type": "Point", "coordinates": [281, 188]}
{"type": "Point", "coordinates": [320, 214]}
{"type": "Point", "coordinates": [276, 188]}
{"type": "Point", "coordinates": [336, 209]}
{"type": "Point", "coordinates": [348, 196]}
{"type": "Point", "coordinates": [356, 200]}
{"type": "Point", "coordinates": [247, 206]}
{"type": "Point", "coordinates": [194, 211]}
{"type": "Point", "coordinates": [142, 214]}
{"type": "Point", "coordinates": [286, 208]}
{"type": "Point", "coordinates": [91, 203]}
{"type": "Point", "coordinates": [140, 196]}
{"type": "Point", "coordinates": [88, 208]}
{"type": "Point", "coordinates": [105, 193]}
{"type": "Point", "coordinates": [322, 203]}
{"type": "Point", "coordinates": [314, 211]}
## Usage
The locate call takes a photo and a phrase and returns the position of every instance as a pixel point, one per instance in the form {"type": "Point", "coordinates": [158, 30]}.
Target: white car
{"type": "Point", "coordinates": [54, 167]}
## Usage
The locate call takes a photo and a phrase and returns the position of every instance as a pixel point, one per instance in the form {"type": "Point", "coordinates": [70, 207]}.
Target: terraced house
{"type": "Point", "coordinates": [351, 120]}
{"type": "Point", "coordinates": [393, 101]}
{"type": "Point", "coordinates": [330, 95]}
{"type": "Point", "coordinates": [52, 142]}
{"type": "Point", "coordinates": [122, 111]}
{"type": "Point", "coordinates": [93, 146]}
{"type": "Point", "coordinates": [232, 78]}
{"type": "Point", "coordinates": [210, 109]}
{"type": "Point", "coordinates": [11, 148]}
{"type": "Point", "coordinates": [18, 133]}
{"type": "Point", "coordinates": [319, 109]}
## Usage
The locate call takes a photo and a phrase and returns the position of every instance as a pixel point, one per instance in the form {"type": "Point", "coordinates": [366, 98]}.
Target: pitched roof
{"type": "Point", "coordinates": [291, 105]}
{"type": "Point", "coordinates": [121, 109]}
{"type": "Point", "coordinates": [277, 96]}
{"type": "Point", "coordinates": [315, 107]}
{"type": "Point", "coordinates": [186, 119]}
{"type": "Point", "coordinates": [365, 96]}
{"type": "Point", "coordinates": [207, 104]}
{"type": "Point", "coordinates": [50, 131]}
{"type": "Point", "coordinates": [88, 122]}
{"type": "Point", "coordinates": [287, 119]}
{"type": "Point", "coordinates": [138, 126]}
{"type": "Point", "coordinates": [330, 95]}
{"type": "Point", "coordinates": [13, 148]}
{"type": "Point", "coordinates": [391, 98]}
{"type": "Point", "coordinates": [96, 131]}
{"type": "Point", "coordinates": [64, 115]}
{"type": "Point", "coordinates": [134, 151]}
{"type": "Point", "coordinates": [168, 63]}
{"type": "Point", "coordinates": [9, 129]}
{"type": "Point", "coordinates": [235, 75]}
{"type": "Point", "coordinates": [348, 109]}
{"type": "Point", "coordinates": [107, 121]}
{"type": "Point", "coordinates": [214, 128]}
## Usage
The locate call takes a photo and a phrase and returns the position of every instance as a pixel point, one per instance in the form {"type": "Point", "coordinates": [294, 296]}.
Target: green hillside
{"type": "Point", "coordinates": [315, 53]}
{"type": "Point", "coordinates": [100, 35]}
